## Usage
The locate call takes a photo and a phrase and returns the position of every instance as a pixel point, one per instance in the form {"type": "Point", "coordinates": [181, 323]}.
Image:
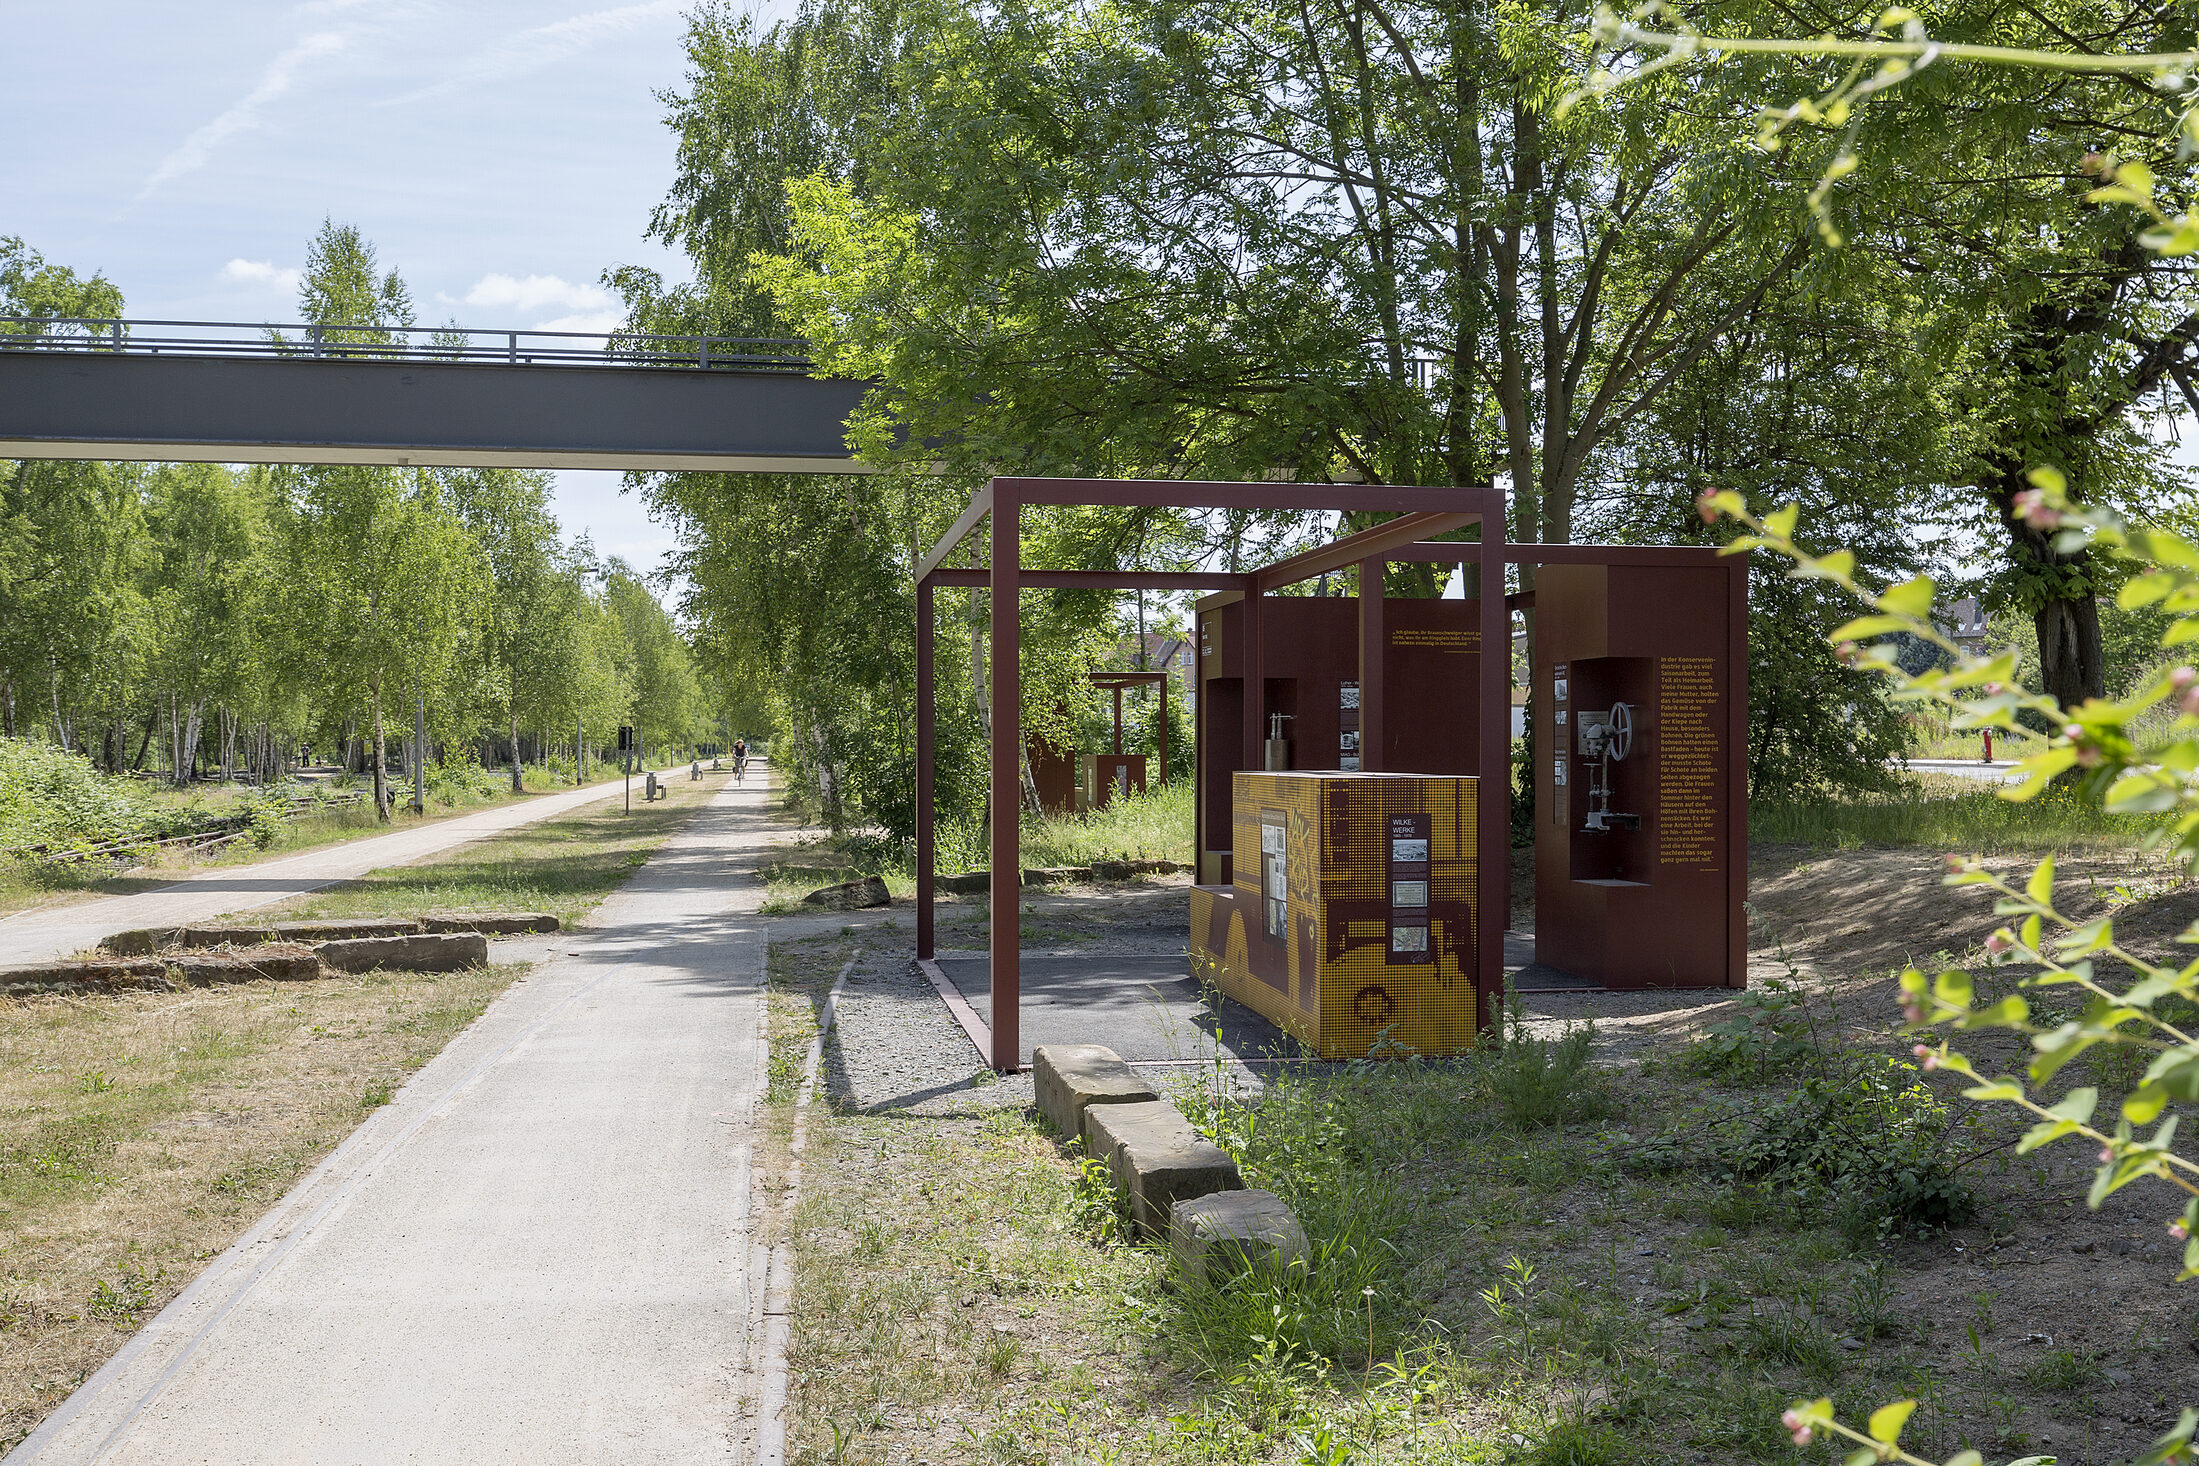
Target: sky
{"type": "Point", "coordinates": [500, 154]}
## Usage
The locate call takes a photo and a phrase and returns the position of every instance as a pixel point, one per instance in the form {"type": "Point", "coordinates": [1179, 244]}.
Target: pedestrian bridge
{"type": "Point", "coordinates": [229, 392]}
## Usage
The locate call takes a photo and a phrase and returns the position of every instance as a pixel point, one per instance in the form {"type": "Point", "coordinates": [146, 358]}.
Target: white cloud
{"type": "Point", "coordinates": [597, 323]}
{"type": "Point", "coordinates": [244, 114]}
{"type": "Point", "coordinates": [542, 45]}
{"type": "Point", "coordinates": [537, 292]}
{"type": "Point", "coordinates": [260, 272]}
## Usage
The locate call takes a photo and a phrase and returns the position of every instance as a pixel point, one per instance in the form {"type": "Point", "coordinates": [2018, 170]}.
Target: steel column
{"type": "Point", "coordinates": [1493, 802]}
{"type": "Point", "coordinates": [1737, 736]}
{"type": "Point", "coordinates": [1372, 642]}
{"type": "Point", "coordinates": [1006, 938]}
{"type": "Point", "coordinates": [1255, 699]}
{"type": "Point", "coordinates": [926, 838]}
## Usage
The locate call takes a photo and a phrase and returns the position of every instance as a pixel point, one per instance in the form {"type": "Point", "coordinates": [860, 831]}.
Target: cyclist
{"type": "Point", "coordinates": [740, 759]}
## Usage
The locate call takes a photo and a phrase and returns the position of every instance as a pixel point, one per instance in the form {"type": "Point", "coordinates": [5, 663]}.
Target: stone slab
{"type": "Point", "coordinates": [295, 931]}
{"type": "Point", "coordinates": [1058, 875]}
{"type": "Point", "coordinates": [1225, 1232]}
{"type": "Point", "coordinates": [1157, 1159]}
{"type": "Point", "coordinates": [423, 952]}
{"type": "Point", "coordinates": [491, 923]}
{"type": "Point", "coordinates": [851, 895]}
{"type": "Point", "coordinates": [143, 942]}
{"type": "Point", "coordinates": [1068, 1077]}
{"type": "Point", "coordinates": [99, 975]}
{"type": "Point", "coordinates": [266, 962]}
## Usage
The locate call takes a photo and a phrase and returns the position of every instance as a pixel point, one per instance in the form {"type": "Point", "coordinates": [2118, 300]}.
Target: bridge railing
{"type": "Point", "coordinates": [402, 343]}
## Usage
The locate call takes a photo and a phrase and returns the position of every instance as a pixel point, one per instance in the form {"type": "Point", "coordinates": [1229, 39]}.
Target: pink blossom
{"type": "Point", "coordinates": [2178, 1230]}
{"type": "Point", "coordinates": [1993, 689]}
{"type": "Point", "coordinates": [1845, 652]}
{"type": "Point", "coordinates": [1705, 507]}
{"type": "Point", "coordinates": [2090, 757]}
{"type": "Point", "coordinates": [1800, 1429]}
{"type": "Point", "coordinates": [2182, 678]}
{"type": "Point", "coordinates": [1998, 943]}
{"type": "Point", "coordinates": [2107, 1154]}
{"type": "Point", "coordinates": [1910, 1009]}
{"type": "Point", "coordinates": [2032, 509]}
{"type": "Point", "coordinates": [2189, 702]}
{"type": "Point", "coordinates": [1927, 1056]}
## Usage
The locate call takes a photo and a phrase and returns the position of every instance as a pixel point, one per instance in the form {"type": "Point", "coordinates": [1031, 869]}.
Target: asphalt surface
{"type": "Point", "coordinates": [42, 934]}
{"type": "Point", "coordinates": [540, 1251]}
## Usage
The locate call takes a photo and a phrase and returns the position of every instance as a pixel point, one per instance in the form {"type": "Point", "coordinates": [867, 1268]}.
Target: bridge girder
{"type": "Point", "coordinates": [209, 409]}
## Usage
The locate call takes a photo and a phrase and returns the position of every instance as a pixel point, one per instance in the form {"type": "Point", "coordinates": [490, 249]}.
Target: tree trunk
{"type": "Point", "coordinates": [381, 768]}
{"type": "Point", "coordinates": [2072, 662]}
{"type": "Point", "coordinates": [518, 784]}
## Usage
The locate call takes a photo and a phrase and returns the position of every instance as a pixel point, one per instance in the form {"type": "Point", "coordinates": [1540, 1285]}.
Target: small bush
{"type": "Point", "coordinates": [1768, 1035]}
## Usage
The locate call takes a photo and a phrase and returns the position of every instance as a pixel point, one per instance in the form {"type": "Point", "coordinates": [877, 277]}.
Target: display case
{"type": "Point", "coordinates": [1350, 918]}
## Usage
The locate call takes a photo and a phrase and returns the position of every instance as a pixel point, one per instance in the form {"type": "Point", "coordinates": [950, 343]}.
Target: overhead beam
{"type": "Point", "coordinates": [1170, 493]}
{"type": "Point", "coordinates": [1160, 580]}
{"type": "Point", "coordinates": [1368, 544]}
{"type": "Point", "coordinates": [412, 413]}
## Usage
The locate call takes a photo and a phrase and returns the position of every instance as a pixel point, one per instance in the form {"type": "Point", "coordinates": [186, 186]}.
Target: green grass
{"type": "Point", "coordinates": [1949, 812]}
{"type": "Point", "coordinates": [31, 883]}
{"type": "Point", "coordinates": [563, 866]}
{"type": "Point", "coordinates": [1152, 826]}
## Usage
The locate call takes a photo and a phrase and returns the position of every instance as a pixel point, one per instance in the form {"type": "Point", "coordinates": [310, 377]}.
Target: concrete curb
{"type": "Point", "coordinates": [779, 1278]}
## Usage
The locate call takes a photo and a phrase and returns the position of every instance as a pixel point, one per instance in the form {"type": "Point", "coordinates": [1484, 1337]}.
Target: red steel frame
{"type": "Point", "coordinates": [1422, 510]}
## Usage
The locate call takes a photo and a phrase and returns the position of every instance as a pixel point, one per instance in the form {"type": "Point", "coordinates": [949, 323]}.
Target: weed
{"type": "Point", "coordinates": [122, 1301]}
{"type": "Point", "coordinates": [2064, 1371]}
{"type": "Point", "coordinates": [1539, 1082]}
{"type": "Point", "coordinates": [375, 1096]}
{"type": "Point", "coordinates": [1000, 1353]}
{"type": "Point", "coordinates": [1580, 1443]}
{"type": "Point", "coordinates": [1792, 1337]}
{"type": "Point", "coordinates": [1869, 1303]}
{"type": "Point", "coordinates": [1768, 1034]}
{"type": "Point", "coordinates": [95, 1081]}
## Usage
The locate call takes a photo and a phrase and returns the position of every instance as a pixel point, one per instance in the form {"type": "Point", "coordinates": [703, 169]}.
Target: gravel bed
{"type": "Point", "coordinates": [895, 1047]}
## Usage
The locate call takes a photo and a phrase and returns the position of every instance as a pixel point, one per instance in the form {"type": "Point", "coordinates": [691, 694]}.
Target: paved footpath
{"type": "Point", "coordinates": [540, 1251]}
{"type": "Point", "coordinates": [41, 935]}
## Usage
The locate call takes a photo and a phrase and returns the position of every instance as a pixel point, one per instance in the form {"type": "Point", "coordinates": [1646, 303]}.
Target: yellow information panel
{"type": "Point", "coordinates": [1351, 918]}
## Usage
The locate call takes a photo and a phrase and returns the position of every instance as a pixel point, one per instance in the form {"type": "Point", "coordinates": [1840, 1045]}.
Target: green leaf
{"type": "Point", "coordinates": [1863, 628]}
{"type": "Point", "coordinates": [2029, 936]}
{"type": "Point", "coordinates": [2076, 1105]}
{"type": "Point", "coordinates": [2141, 793]}
{"type": "Point", "coordinates": [2143, 1105]}
{"type": "Point", "coordinates": [1887, 1421]}
{"type": "Point", "coordinates": [2046, 1132]}
{"type": "Point", "coordinates": [2049, 479]}
{"type": "Point", "coordinates": [1910, 598]}
{"type": "Point", "coordinates": [1861, 1456]}
{"type": "Point", "coordinates": [1952, 987]}
{"type": "Point", "coordinates": [2144, 590]}
{"type": "Point", "coordinates": [1780, 522]}
{"type": "Point", "coordinates": [2009, 1012]}
{"type": "Point", "coordinates": [2040, 887]}
{"type": "Point", "coordinates": [1999, 1089]}
{"type": "Point", "coordinates": [1965, 1458]}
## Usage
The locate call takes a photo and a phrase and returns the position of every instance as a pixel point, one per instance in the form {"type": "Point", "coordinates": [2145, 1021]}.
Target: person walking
{"type": "Point", "coordinates": [1988, 747]}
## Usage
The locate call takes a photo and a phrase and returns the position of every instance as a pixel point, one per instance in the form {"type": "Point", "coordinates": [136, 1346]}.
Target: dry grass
{"type": "Point", "coordinates": [563, 866]}
{"type": "Point", "coordinates": [140, 1134]}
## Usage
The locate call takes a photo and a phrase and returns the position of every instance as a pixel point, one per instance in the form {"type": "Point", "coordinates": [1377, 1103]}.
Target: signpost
{"type": "Point", "coordinates": [626, 751]}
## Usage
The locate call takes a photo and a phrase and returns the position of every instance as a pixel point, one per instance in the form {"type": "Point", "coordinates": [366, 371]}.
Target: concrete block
{"type": "Point", "coordinates": [100, 975]}
{"type": "Point", "coordinates": [1069, 1077]}
{"type": "Point", "coordinates": [1058, 875]}
{"type": "Point", "coordinates": [1225, 1232]}
{"type": "Point", "coordinates": [266, 962]}
{"type": "Point", "coordinates": [969, 883]}
{"type": "Point", "coordinates": [1156, 1158]}
{"type": "Point", "coordinates": [295, 931]}
{"type": "Point", "coordinates": [425, 952]}
{"type": "Point", "coordinates": [491, 923]}
{"type": "Point", "coordinates": [143, 942]}
{"type": "Point", "coordinates": [851, 895]}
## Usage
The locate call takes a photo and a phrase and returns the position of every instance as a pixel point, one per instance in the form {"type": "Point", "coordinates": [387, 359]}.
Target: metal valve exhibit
{"type": "Point", "coordinates": [1606, 739]}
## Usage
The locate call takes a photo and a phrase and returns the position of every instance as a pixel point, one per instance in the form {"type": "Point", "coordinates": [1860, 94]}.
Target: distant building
{"type": "Point", "coordinates": [1163, 653]}
{"type": "Point", "coordinates": [1963, 622]}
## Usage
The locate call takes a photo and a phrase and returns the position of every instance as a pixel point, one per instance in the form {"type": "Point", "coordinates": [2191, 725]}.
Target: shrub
{"type": "Point", "coordinates": [48, 794]}
{"type": "Point", "coordinates": [1768, 1033]}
